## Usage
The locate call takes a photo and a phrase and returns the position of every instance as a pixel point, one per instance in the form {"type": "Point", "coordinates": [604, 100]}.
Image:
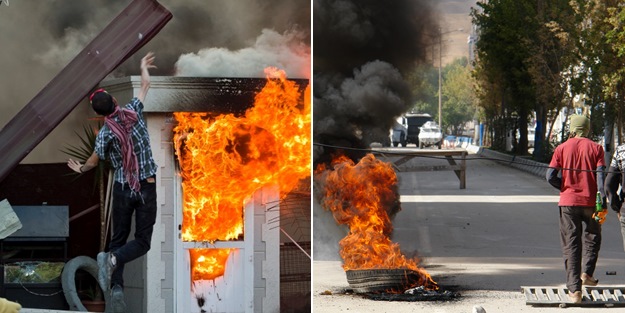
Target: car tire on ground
{"type": "Point", "coordinates": [68, 281]}
{"type": "Point", "coordinates": [379, 280]}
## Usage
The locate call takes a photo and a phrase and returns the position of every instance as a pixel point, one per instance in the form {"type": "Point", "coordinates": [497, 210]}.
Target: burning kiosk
{"type": "Point", "coordinates": [192, 266]}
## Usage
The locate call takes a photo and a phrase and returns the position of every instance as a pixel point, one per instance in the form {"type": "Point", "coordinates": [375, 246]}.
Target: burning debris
{"type": "Point", "coordinates": [415, 294]}
{"type": "Point", "coordinates": [364, 196]}
{"type": "Point", "coordinates": [391, 285]}
{"type": "Point", "coordinates": [208, 263]}
{"type": "Point", "coordinates": [224, 159]}
{"type": "Point", "coordinates": [383, 280]}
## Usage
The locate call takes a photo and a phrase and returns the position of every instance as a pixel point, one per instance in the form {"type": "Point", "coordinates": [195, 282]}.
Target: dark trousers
{"type": "Point", "coordinates": [579, 246]}
{"type": "Point", "coordinates": [125, 203]}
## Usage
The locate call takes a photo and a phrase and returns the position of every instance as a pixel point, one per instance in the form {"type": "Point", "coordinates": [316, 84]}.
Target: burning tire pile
{"type": "Point", "coordinates": [381, 280]}
{"type": "Point", "coordinates": [394, 285]}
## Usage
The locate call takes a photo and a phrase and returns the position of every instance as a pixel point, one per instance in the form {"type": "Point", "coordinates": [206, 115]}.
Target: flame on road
{"type": "Point", "coordinates": [362, 195]}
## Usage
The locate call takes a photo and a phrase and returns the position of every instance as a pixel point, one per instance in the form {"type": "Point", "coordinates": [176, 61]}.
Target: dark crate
{"type": "Point", "coordinates": [56, 224]}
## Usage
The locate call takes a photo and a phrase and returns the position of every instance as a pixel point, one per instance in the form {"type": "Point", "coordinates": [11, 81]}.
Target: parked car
{"type": "Point", "coordinates": [430, 135]}
{"type": "Point", "coordinates": [407, 127]}
{"type": "Point", "coordinates": [414, 122]}
{"type": "Point", "coordinates": [399, 132]}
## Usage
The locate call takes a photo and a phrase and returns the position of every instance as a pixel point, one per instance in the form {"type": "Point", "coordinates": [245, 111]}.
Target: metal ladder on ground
{"type": "Point", "coordinates": [591, 296]}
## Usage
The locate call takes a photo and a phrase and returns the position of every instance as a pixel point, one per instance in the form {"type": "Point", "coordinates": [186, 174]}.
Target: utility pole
{"type": "Point", "coordinates": [440, 80]}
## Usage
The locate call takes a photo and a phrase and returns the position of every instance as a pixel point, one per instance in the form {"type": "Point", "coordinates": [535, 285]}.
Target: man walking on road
{"type": "Point", "coordinates": [124, 140]}
{"type": "Point", "coordinates": [581, 163]}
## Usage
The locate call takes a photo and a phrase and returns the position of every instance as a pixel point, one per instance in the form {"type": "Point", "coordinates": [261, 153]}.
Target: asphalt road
{"type": "Point", "coordinates": [485, 242]}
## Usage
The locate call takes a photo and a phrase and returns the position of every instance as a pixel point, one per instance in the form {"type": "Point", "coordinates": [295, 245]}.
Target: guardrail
{"type": "Point", "coordinates": [530, 166]}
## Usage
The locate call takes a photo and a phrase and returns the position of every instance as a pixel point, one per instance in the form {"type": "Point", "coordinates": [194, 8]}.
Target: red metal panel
{"type": "Point", "coordinates": [127, 33]}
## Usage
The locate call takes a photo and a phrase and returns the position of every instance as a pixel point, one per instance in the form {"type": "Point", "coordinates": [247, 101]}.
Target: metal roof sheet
{"type": "Point", "coordinates": [135, 26]}
{"type": "Point", "coordinates": [221, 95]}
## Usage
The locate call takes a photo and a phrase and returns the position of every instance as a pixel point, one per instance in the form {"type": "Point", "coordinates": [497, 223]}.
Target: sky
{"type": "Point", "coordinates": [457, 21]}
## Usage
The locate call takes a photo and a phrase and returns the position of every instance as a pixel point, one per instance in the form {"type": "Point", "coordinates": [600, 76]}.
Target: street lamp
{"type": "Point", "coordinates": [440, 80]}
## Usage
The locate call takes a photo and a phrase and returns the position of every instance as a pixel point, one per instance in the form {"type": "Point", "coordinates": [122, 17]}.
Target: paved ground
{"type": "Point", "coordinates": [485, 242]}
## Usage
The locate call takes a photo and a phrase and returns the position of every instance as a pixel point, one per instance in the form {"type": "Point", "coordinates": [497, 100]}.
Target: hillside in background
{"type": "Point", "coordinates": [455, 15]}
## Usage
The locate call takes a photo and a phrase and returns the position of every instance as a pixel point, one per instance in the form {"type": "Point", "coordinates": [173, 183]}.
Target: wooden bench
{"type": "Point", "coordinates": [407, 154]}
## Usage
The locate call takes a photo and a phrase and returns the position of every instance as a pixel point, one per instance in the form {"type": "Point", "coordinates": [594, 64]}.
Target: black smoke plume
{"type": "Point", "coordinates": [363, 50]}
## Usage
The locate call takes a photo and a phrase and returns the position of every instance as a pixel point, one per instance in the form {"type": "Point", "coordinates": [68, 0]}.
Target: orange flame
{"type": "Point", "coordinates": [208, 263]}
{"type": "Point", "coordinates": [361, 196]}
{"type": "Point", "coordinates": [225, 159]}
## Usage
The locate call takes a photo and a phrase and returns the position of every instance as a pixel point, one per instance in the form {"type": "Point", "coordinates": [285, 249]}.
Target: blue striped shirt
{"type": "Point", "coordinates": [107, 146]}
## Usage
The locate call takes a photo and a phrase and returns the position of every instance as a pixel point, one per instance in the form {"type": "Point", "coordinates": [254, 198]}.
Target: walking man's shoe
{"type": "Point", "coordinates": [588, 280]}
{"type": "Point", "coordinates": [576, 297]}
{"type": "Point", "coordinates": [105, 270]}
{"type": "Point", "coordinates": [117, 297]}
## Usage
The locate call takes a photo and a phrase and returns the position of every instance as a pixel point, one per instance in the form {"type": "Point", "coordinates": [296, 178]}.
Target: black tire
{"type": "Point", "coordinates": [395, 144]}
{"type": "Point", "coordinates": [68, 281]}
{"type": "Point", "coordinates": [376, 280]}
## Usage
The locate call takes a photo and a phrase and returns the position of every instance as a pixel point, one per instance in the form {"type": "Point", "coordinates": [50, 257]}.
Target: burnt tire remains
{"type": "Point", "coordinates": [381, 280]}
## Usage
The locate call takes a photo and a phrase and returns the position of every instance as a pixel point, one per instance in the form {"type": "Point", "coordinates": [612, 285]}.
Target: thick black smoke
{"type": "Point", "coordinates": [362, 51]}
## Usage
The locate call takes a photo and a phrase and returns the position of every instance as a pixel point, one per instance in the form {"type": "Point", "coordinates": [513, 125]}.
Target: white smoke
{"type": "Point", "coordinates": [286, 51]}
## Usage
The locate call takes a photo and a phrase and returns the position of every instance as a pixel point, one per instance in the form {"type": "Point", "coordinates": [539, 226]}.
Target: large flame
{"type": "Point", "coordinates": [225, 159]}
{"type": "Point", "coordinates": [361, 196]}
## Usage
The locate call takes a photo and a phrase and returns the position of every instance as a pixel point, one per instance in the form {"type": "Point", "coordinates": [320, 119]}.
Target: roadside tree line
{"type": "Point", "coordinates": [535, 58]}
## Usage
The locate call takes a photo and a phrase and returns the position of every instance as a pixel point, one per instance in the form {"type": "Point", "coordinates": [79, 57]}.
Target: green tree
{"type": "Point", "coordinates": [505, 31]}
{"type": "Point", "coordinates": [424, 80]}
{"type": "Point", "coordinates": [614, 76]}
{"type": "Point", "coordinates": [597, 60]}
{"type": "Point", "coordinates": [459, 105]}
{"type": "Point", "coordinates": [533, 57]}
{"type": "Point", "coordinates": [552, 64]}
